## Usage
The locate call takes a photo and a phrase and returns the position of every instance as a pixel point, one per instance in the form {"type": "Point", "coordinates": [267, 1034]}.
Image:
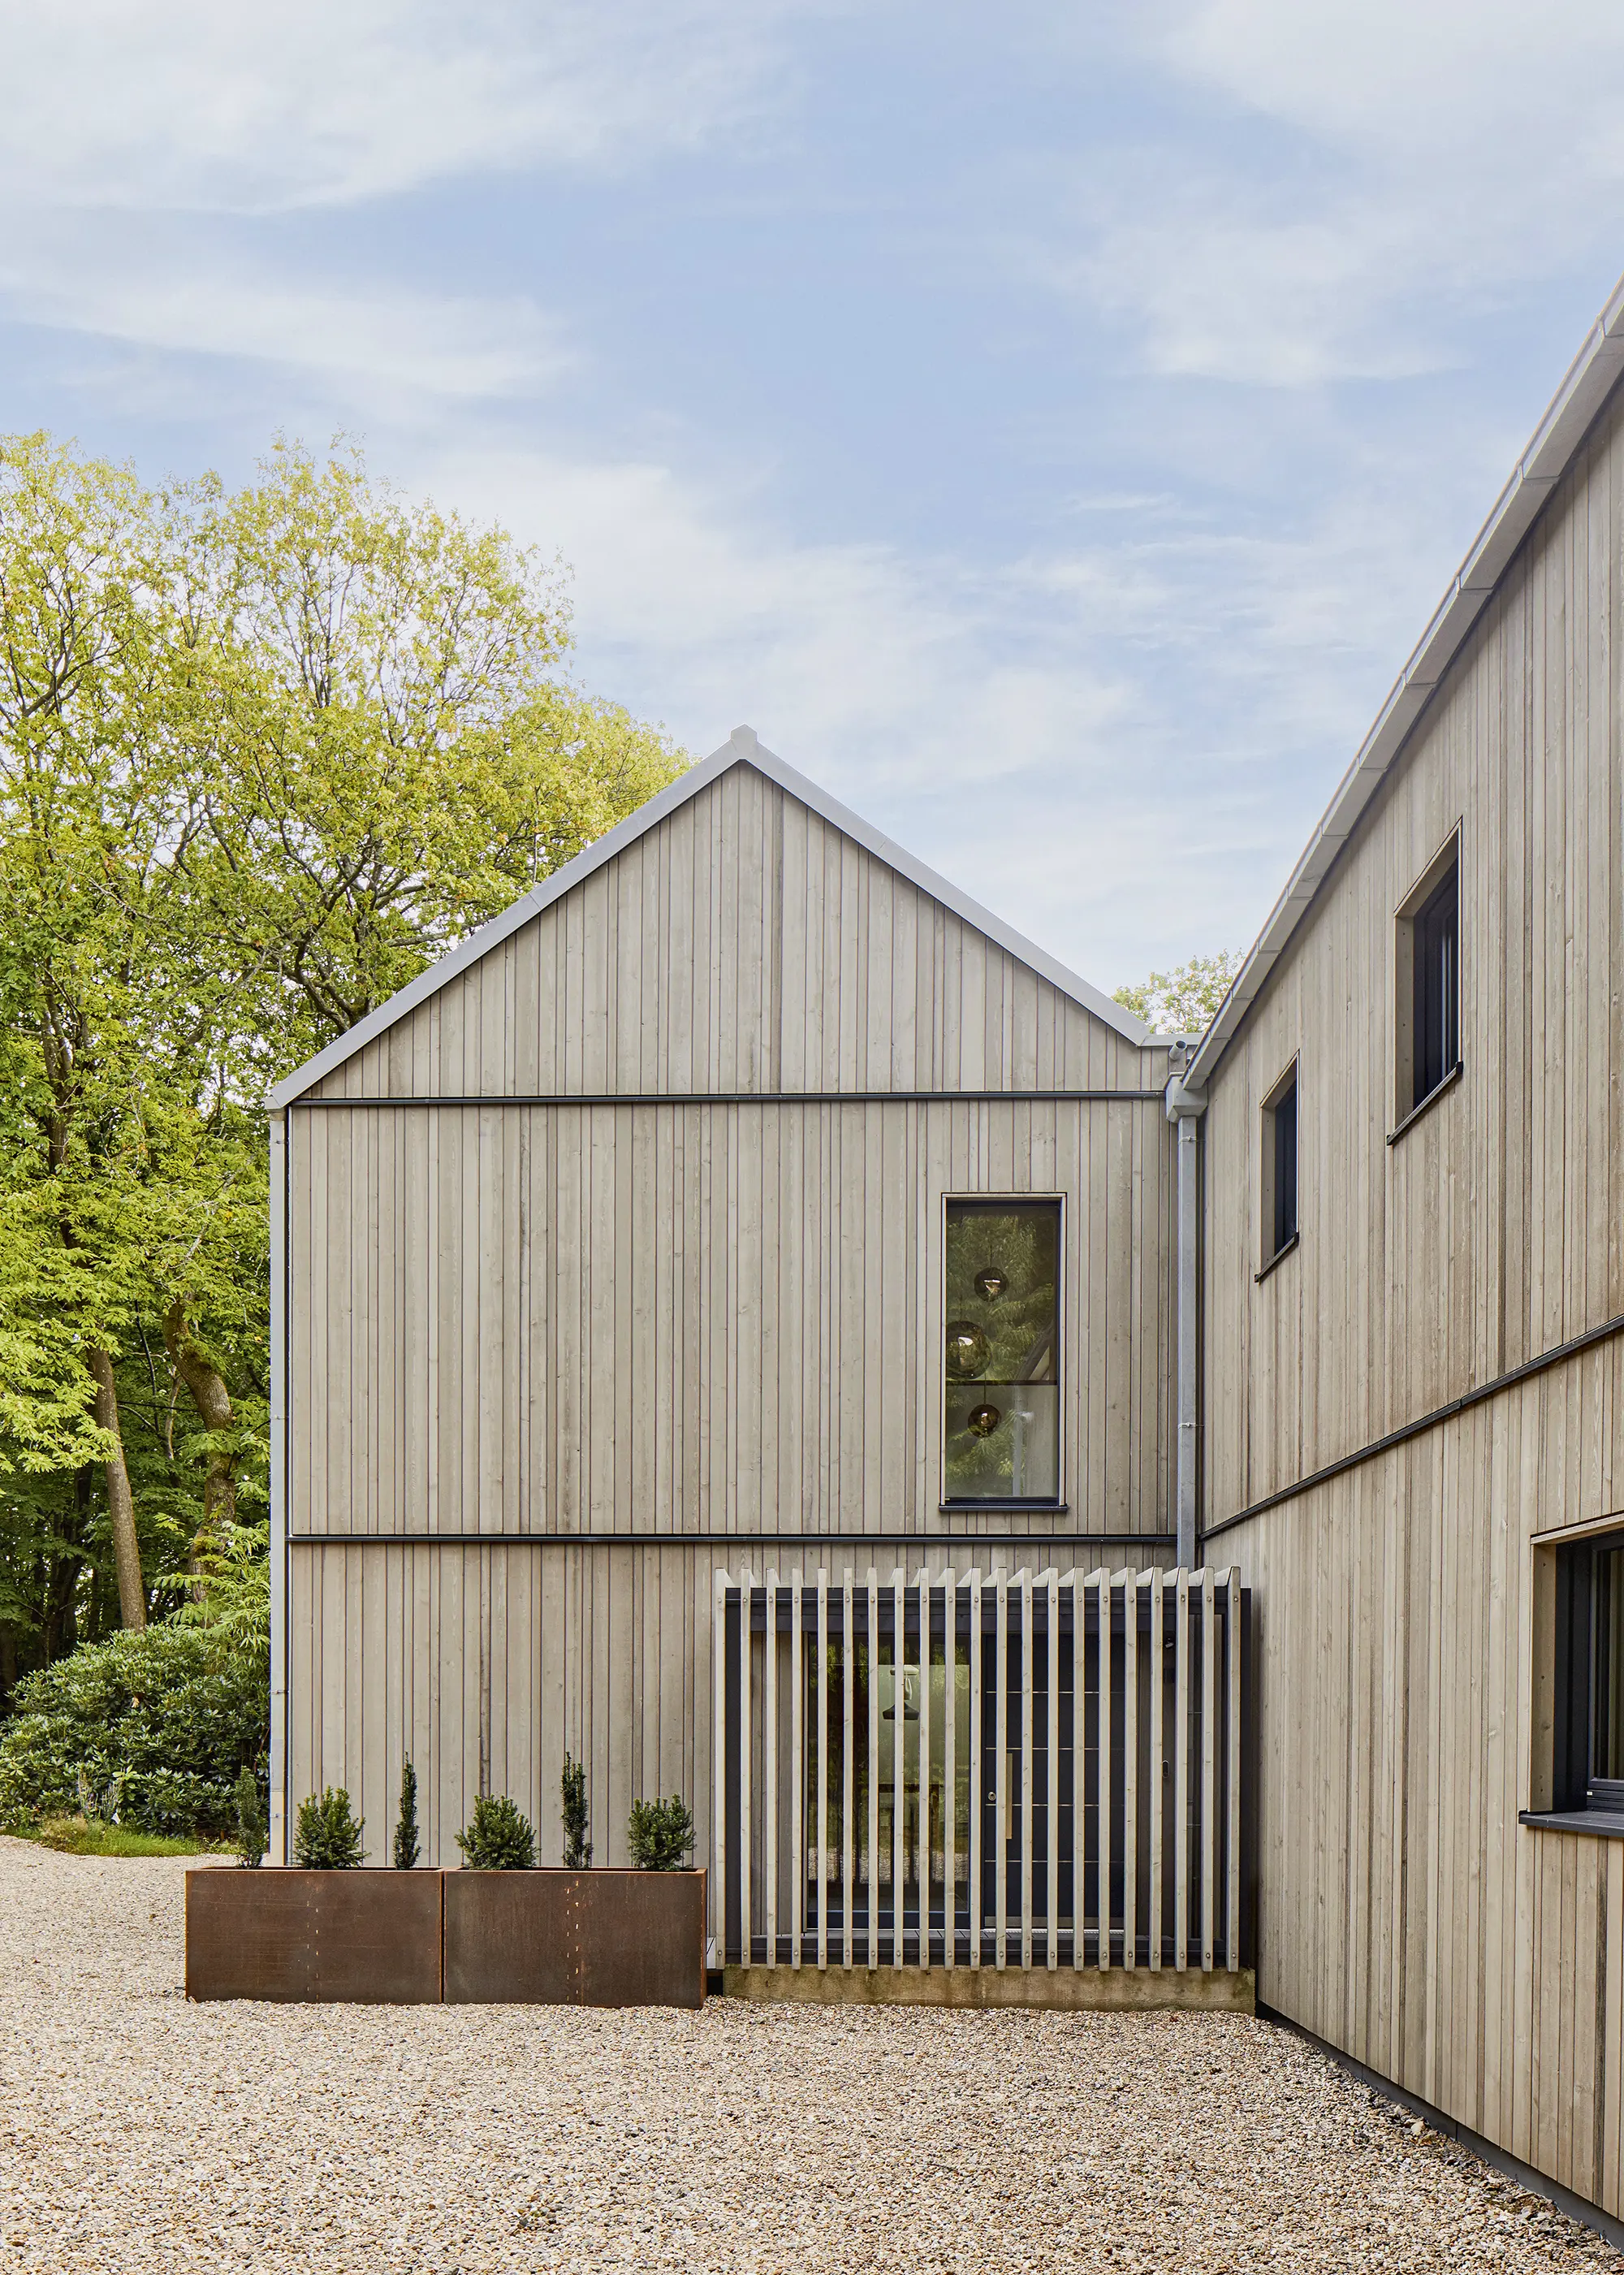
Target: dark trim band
{"type": "Point", "coordinates": [749, 1098]}
{"type": "Point", "coordinates": [745, 1542]}
{"type": "Point", "coordinates": [1421, 1424]}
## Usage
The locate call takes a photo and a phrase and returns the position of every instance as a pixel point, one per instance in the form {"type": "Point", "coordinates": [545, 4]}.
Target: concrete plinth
{"type": "Point", "coordinates": [1118, 1991]}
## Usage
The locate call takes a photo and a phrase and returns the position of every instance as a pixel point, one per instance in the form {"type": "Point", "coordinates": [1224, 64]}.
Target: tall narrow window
{"type": "Point", "coordinates": [1002, 1360]}
{"type": "Point", "coordinates": [1438, 984]}
{"type": "Point", "coordinates": [1428, 983]}
{"type": "Point", "coordinates": [1280, 1166]}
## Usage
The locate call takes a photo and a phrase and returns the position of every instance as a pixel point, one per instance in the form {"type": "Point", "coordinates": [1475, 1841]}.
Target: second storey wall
{"type": "Point", "coordinates": [680, 1317]}
{"type": "Point", "coordinates": [1490, 1233]}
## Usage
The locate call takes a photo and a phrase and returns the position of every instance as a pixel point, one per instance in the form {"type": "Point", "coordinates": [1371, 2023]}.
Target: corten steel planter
{"type": "Point", "coordinates": [558, 1939]}
{"type": "Point", "coordinates": [372, 1936]}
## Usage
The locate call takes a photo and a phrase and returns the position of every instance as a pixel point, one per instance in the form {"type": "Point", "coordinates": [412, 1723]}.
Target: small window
{"type": "Point", "coordinates": [1280, 1166]}
{"type": "Point", "coordinates": [1590, 1678]}
{"type": "Point", "coordinates": [1429, 982]}
{"type": "Point", "coordinates": [1002, 1360]}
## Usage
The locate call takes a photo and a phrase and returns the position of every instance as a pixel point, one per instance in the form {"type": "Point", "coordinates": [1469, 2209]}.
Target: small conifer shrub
{"type": "Point", "coordinates": [500, 1838]}
{"type": "Point", "coordinates": [578, 1847]}
{"type": "Point", "coordinates": [328, 1837]}
{"type": "Point", "coordinates": [252, 1829]}
{"type": "Point", "coordinates": [406, 1823]}
{"type": "Point", "coordinates": [661, 1834]}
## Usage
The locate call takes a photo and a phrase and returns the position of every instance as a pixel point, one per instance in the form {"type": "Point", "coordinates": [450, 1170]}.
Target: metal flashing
{"type": "Point", "coordinates": [741, 748]}
{"type": "Point", "coordinates": [1573, 410]}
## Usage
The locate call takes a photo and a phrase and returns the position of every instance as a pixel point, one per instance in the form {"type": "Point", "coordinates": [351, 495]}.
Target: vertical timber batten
{"type": "Point", "coordinates": [1037, 1782]}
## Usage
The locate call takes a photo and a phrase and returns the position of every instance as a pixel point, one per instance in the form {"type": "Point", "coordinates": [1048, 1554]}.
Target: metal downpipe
{"type": "Point", "coordinates": [1185, 1108]}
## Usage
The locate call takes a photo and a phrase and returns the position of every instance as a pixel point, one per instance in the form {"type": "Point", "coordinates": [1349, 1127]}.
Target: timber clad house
{"type": "Point", "coordinates": [1083, 1515]}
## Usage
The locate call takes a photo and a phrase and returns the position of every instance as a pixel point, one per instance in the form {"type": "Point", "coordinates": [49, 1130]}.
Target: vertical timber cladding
{"type": "Point", "coordinates": [1408, 1917]}
{"type": "Point", "coordinates": [672, 1313]}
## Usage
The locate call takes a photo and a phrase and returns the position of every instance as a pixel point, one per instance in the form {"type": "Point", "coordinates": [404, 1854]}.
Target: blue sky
{"type": "Point", "coordinates": [1049, 426]}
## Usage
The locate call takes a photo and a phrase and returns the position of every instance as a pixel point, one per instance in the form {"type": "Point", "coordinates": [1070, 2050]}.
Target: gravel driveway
{"type": "Point", "coordinates": [140, 2133]}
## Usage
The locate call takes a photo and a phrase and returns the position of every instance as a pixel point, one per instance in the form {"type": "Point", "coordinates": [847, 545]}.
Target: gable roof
{"type": "Point", "coordinates": [1572, 413]}
{"type": "Point", "coordinates": [741, 749]}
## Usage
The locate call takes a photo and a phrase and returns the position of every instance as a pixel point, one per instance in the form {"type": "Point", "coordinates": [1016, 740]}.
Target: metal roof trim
{"type": "Point", "coordinates": [1572, 412]}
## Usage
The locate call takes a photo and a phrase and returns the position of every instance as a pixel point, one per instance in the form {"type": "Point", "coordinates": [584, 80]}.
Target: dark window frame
{"type": "Point", "coordinates": [994, 1204]}
{"type": "Point", "coordinates": [1435, 957]}
{"type": "Point", "coordinates": [1428, 996]}
{"type": "Point", "coordinates": [1282, 1194]}
{"type": "Point", "coordinates": [1577, 1789]}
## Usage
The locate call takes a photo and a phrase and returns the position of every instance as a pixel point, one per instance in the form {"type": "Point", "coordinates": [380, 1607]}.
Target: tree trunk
{"type": "Point", "coordinates": [120, 1501]}
{"type": "Point", "coordinates": [213, 1402]}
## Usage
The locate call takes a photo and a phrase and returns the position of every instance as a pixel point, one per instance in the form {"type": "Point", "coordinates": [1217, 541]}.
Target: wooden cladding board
{"type": "Point", "coordinates": [483, 1666]}
{"type": "Point", "coordinates": [1406, 1916]}
{"type": "Point", "coordinates": [746, 943]}
{"type": "Point", "coordinates": [697, 1318]}
{"type": "Point", "coordinates": [1491, 1231]}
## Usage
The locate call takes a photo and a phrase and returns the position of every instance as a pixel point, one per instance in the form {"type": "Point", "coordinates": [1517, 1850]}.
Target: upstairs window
{"type": "Point", "coordinates": [1428, 983]}
{"type": "Point", "coordinates": [1279, 1167]}
{"type": "Point", "coordinates": [1001, 1358]}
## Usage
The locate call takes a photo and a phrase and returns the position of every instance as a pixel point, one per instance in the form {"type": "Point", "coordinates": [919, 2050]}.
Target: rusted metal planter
{"type": "Point", "coordinates": [599, 1938]}
{"type": "Point", "coordinates": [369, 1936]}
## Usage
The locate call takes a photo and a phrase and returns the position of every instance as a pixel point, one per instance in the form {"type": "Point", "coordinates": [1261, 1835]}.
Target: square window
{"type": "Point", "coordinates": [1001, 1363]}
{"type": "Point", "coordinates": [1588, 1720]}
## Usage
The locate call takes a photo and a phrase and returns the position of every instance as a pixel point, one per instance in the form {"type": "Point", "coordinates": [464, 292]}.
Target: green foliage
{"type": "Point", "coordinates": [1184, 1000]}
{"type": "Point", "coordinates": [252, 1821]}
{"type": "Point", "coordinates": [264, 753]}
{"type": "Point", "coordinates": [327, 1836]}
{"type": "Point", "coordinates": [661, 1834]}
{"type": "Point", "coordinates": [406, 1824]}
{"type": "Point", "coordinates": [232, 1605]}
{"type": "Point", "coordinates": [578, 1847]}
{"type": "Point", "coordinates": [500, 1838]}
{"type": "Point", "coordinates": [100, 1808]}
{"type": "Point", "coordinates": [158, 1708]}
{"type": "Point", "coordinates": [75, 1836]}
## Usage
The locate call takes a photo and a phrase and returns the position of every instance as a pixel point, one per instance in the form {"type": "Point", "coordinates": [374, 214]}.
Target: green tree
{"type": "Point", "coordinates": [499, 1838]}
{"type": "Point", "coordinates": [264, 754]}
{"type": "Point", "coordinates": [1184, 1000]}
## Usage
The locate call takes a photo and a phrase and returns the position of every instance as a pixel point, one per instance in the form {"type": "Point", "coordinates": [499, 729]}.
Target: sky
{"type": "Point", "coordinates": [1050, 427]}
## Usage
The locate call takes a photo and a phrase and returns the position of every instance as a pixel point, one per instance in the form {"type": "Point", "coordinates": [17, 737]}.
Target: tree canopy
{"type": "Point", "coordinates": [1184, 1000]}
{"type": "Point", "coordinates": [264, 754]}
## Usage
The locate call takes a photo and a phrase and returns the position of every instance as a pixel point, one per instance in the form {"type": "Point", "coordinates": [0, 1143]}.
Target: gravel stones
{"type": "Point", "coordinates": [138, 2133]}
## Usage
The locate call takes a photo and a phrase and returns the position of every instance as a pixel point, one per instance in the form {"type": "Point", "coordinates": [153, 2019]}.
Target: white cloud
{"type": "Point", "coordinates": [1374, 170]}
{"type": "Point", "coordinates": [1427, 83]}
{"type": "Point", "coordinates": [366, 344]}
{"type": "Point", "coordinates": [192, 103]}
{"type": "Point", "coordinates": [1116, 729]}
{"type": "Point", "coordinates": [1051, 732]}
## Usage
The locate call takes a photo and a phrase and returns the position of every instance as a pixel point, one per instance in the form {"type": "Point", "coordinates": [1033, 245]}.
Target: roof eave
{"type": "Point", "coordinates": [1573, 410]}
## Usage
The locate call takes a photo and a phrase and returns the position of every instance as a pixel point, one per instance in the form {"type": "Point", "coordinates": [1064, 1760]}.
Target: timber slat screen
{"type": "Point", "coordinates": [966, 1844]}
